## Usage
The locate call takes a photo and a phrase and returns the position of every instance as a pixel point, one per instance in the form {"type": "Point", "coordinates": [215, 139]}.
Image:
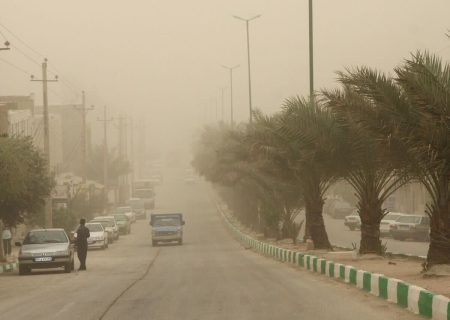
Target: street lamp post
{"type": "Point", "coordinates": [230, 69]}
{"type": "Point", "coordinates": [311, 52]}
{"type": "Point", "coordinates": [248, 62]}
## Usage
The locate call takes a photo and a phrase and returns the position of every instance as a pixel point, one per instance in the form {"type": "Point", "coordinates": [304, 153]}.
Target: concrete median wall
{"type": "Point", "coordinates": [408, 296]}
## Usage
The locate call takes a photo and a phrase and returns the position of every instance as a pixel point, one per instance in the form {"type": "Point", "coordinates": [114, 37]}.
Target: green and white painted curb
{"type": "Point", "coordinates": [9, 266]}
{"type": "Point", "coordinates": [408, 296]}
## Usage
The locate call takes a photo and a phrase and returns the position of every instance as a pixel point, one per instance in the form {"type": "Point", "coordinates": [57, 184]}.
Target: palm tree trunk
{"type": "Point", "coordinates": [370, 213]}
{"type": "Point", "coordinates": [439, 251]}
{"type": "Point", "coordinates": [315, 223]}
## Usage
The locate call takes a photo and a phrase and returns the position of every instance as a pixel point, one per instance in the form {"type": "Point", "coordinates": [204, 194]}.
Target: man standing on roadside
{"type": "Point", "coordinates": [6, 237]}
{"type": "Point", "coordinates": [82, 244]}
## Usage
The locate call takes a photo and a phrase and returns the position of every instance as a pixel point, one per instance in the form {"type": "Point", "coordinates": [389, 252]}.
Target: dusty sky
{"type": "Point", "coordinates": [160, 60]}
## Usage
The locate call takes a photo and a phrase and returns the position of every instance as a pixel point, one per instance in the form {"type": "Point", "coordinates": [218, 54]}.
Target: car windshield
{"type": "Point", "coordinates": [161, 222]}
{"type": "Point", "coordinates": [45, 236]}
{"type": "Point", "coordinates": [409, 219]}
{"type": "Point", "coordinates": [121, 217]}
{"type": "Point", "coordinates": [123, 209]}
{"type": "Point", "coordinates": [94, 227]}
{"type": "Point", "coordinates": [136, 204]}
{"type": "Point", "coordinates": [105, 223]}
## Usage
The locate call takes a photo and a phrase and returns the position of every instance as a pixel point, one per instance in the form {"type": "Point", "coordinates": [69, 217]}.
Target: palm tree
{"type": "Point", "coordinates": [373, 178]}
{"type": "Point", "coordinates": [306, 141]}
{"type": "Point", "coordinates": [413, 110]}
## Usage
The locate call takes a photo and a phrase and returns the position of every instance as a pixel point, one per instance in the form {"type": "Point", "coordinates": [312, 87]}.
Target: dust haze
{"type": "Point", "coordinates": [159, 62]}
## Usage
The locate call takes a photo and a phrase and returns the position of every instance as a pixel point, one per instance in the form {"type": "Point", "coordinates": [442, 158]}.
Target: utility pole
{"type": "Point", "coordinates": [83, 110]}
{"type": "Point", "coordinates": [105, 121]}
{"type": "Point", "coordinates": [247, 21]}
{"type": "Point", "coordinates": [6, 47]}
{"type": "Point", "coordinates": [230, 69]}
{"type": "Point", "coordinates": [44, 80]}
{"type": "Point", "coordinates": [122, 141]}
{"type": "Point", "coordinates": [222, 98]}
{"type": "Point", "coordinates": [311, 53]}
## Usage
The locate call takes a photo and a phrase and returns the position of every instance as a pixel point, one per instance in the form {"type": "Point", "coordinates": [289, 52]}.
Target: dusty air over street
{"type": "Point", "coordinates": [210, 159]}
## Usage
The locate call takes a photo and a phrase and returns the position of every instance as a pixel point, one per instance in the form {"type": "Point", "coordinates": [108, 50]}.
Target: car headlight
{"type": "Point", "coordinates": [25, 254]}
{"type": "Point", "coordinates": [62, 253]}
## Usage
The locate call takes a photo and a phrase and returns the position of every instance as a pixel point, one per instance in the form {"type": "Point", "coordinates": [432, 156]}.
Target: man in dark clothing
{"type": "Point", "coordinates": [82, 244]}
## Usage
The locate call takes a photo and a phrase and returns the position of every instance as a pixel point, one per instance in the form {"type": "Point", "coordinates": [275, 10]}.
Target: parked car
{"type": "Point", "coordinates": [114, 226]}
{"type": "Point", "coordinates": [99, 236]}
{"type": "Point", "coordinates": [123, 222]}
{"type": "Point", "coordinates": [411, 226]}
{"type": "Point", "coordinates": [128, 211]}
{"type": "Point", "coordinates": [108, 226]}
{"type": "Point", "coordinates": [137, 204]}
{"type": "Point", "coordinates": [45, 248]}
{"type": "Point", "coordinates": [353, 221]}
{"type": "Point", "coordinates": [387, 221]}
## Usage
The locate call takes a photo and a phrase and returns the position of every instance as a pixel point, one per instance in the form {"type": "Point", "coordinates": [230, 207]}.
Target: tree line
{"type": "Point", "coordinates": [376, 131]}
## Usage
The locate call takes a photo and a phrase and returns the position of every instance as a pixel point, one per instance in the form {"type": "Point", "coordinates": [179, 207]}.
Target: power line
{"type": "Point", "coordinates": [22, 41]}
{"type": "Point", "coordinates": [15, 67]}
{"type": "Point", "coordinates": [26, 55]}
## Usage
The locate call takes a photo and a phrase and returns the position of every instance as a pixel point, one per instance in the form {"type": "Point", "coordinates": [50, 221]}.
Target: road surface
{"type": "Point", "coordinates": [210, 277]}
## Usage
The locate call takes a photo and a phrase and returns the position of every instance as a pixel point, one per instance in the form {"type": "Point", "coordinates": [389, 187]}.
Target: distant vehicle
{"type": "Point", "coordinates": [353, 221]}
{"type": "Point", "coordinates": [167, 227]}
{"type": "Point", "coordinates": [142, 184]}
{"type": "Point", "coordinates": [115, 227]}
{"type": "Point", "coordinates": [387, 221]}
{"type": "Point", "coordinates": [340, 209]}
{"type": "Point", "coordinates": [411, 226]}
{"type": "Point", "coordinates": [123, 222]}
{"type": "Point", "coordinates": [128, 211]}
{"type": "Point", "coordinates": [148, 196]}
{"type": "Point", "coordinates": [138, 207]}
{"type": "Point", "coordinates": [98, 238]}
{"type": "Point", "coordinates": [45, 248]}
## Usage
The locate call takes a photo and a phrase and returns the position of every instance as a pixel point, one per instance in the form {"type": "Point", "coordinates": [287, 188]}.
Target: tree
{"type": "Point", "coordinates": [369, 166]}
{"type": "Point", "coordinates": [24, 181]}
{"type": "Point", "coordinates": [413, 110]}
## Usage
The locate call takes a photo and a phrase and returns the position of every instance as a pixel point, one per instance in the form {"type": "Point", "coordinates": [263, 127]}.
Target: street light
{"type": "Point", "coordinates": [230, 69]}
{"type": "Point", "coordinates": [248, 61]}
{"type": "Point", "coordinates": [311, 53]}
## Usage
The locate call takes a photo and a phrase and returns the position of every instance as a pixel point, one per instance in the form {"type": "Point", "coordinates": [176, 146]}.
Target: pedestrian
{"type": "Point", "coordinates": [82, 243]}
{"type": "Point", "coordinates": [7, 236]}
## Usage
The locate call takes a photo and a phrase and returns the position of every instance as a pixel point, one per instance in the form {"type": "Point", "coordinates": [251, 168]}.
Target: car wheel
{"type": "Point", "coordinates": [352, 228]}
{"type": "Point", "coordinates": [68, 267]}
{"type": "Point", "coordinates": [154, 243]}
{"type": "Point", "coordinates": [23, 270]}
{"type": "Point", "coordinates": [180, 242]}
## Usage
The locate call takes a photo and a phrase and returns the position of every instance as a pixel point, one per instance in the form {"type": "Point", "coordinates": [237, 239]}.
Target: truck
{"type": "Point", "coordinates": [143, 189]}
{"type": "Point", "coordinates": [167, 227]}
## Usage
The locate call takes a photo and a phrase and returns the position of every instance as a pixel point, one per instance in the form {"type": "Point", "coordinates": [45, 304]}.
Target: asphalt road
{"type": "Point", "coordinates": [340, 235]}
{"type": "Point", "coordinates": [210, 277]}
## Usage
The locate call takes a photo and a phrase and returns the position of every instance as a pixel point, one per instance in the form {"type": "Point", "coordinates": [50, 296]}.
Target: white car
{"type": "Point", "coordinates": [99, 236]}
{"type": "Point", "coordinates": [128, 211]}
{"type": "Point", "coordinates": [387, 222]}
{"type": "Point", "coordinates": [111, 226]}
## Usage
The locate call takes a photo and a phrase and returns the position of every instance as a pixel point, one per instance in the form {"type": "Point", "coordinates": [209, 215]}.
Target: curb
{"type": "Point", "coordinates": [408, 296]}
{"type": "Point", "coordinates": [8, 267]}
